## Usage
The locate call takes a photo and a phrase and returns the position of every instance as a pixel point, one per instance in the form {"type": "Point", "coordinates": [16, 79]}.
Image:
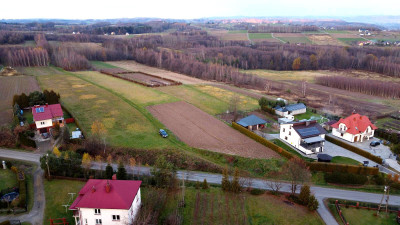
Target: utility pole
{"type": "Point", "coordinates": [47, 163]}
{"type": "Point", "coordinates": [385, 194]}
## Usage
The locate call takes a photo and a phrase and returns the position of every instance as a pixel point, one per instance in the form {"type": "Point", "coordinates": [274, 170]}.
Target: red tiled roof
{"type": "Point", "coordinates": [120, 196]}
{"type": "Point", "coordinates": [355, 124]}
{"type": "Point", "coordinates": [50, 112]}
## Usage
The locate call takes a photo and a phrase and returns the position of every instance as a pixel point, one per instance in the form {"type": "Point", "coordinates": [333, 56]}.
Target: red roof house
{"type": "Point", "coordinates": [108, 201]}
{"type": "Point", "coordinates": [354, 128]}
{"type": "Point", "coordinates": [45, 116]}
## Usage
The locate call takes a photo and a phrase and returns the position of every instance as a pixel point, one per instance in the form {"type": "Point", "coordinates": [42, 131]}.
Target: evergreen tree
{"type": "Point", "coordinates": [313, 203]}
{"type": "Point", "coordinates": [205, 184]}
{"type": "Point", "coordinates": [24, 101]}
{"type": "Point", "coordinates": [197, 186]}
{"type": "Point", "coordinates": [304, 196]}
{"type": "Point", "coordinates": [109, 171]}
{"type": "Point", "coordinates": [226, 184]}
{"type": "Point", "coordinates": [235, 183]}
{"type": "Point", "coordinates": [121, 173]}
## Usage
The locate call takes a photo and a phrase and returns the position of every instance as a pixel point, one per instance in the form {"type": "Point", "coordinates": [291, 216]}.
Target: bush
{"type": "Point", "coordinates": [25, 140]}
{"type": "Point", "coordinates": [354, 149]}
{"type": "Point", "coordinates": [304, 195]}
{"type": "Point", "coordinates": [9, 164]}
{"type": "Point", "coordinates": [312, 203]}
{"type": "Point", "coordinates": [332, 167]}
{"type": "Point", "coordinates": [345, 178]}
{"type": "Point", "coordinates": [256, 191]}
{"type": "Point", "coordinates": [379, 179]}
{"type": "Point", "coordinates": [22, 194]}
{"type": "Point", "coordinates": [5, 223]}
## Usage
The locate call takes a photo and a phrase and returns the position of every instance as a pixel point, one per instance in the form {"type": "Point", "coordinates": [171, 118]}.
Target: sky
{"type": "Point", "coordinates": [178, 9]}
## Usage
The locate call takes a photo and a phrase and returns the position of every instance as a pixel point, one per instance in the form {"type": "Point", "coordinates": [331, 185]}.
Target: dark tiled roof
{"type": "Point", "coordinates": [308, 129]}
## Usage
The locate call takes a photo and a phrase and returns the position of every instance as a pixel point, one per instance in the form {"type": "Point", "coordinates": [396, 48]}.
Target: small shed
{"type": "Point", "coordinates": [328, 125]}
{"type": "Point", "coordinates": [252, 122]}
{"type": "Point", "coordinates": [324, 158]}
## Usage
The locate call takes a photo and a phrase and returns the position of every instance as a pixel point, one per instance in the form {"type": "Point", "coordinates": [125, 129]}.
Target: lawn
{"type": "Point", "coordinates": [208, 98]}
{"type": "Point", "coordinates": [291, 150]}
{"type": "Point", "coordinates": [7, 179]}
{"type": "Point", "coordinates": [213, 206]}
{"type": "Point", "coordinates": [260, 36]}
{"type": "Point", "coordinates": [306, 115]}
{"type": "Point", "coordinates": [87, 102]}
{"type": "Point", "coordinates": [56, 192]}
{"type": "Point", "coordinates": [345, 160]}
{"type": "Point", "coordinates": [28, 115]}
{"type": "Point", "coordinates": [362, 216]}
{"type": "Point", "coordinates": [101, 65]}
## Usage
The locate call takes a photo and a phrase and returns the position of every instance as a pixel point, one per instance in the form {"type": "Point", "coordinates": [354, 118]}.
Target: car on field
{"type": "Point", "coordinates": [163, 133]}
{"type": "Point", "coordinates": [374, 143]}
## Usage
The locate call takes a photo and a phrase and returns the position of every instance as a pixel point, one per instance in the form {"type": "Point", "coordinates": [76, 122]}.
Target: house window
{"type": "Point", "coordinates": [341, 134]}
{"type": "Point", "coordinates": [286, 138]}
{"type": "Point", "coordinates": [115, 217]}
{"type": "Point", "coordinates": [290, 133]}
{"type": "Point", "coordinates": [86, 221]}
{"type": "Point", "coordinates": [283, 130]}
{"type": "Point", "coordinates": [60, 121]}
{"type": "Point", "coordinates": [97, 211]}
{"type": "Point", "coordinates": [41, 123]}
{"type": "Point", "coordinates": [98, 221]}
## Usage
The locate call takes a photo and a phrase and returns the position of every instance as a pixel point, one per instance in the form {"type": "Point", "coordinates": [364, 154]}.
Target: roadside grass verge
{"type": "Point", "coordinates": [345, 160]}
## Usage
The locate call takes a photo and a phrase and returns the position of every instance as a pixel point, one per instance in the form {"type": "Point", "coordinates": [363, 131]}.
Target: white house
{"type": "Point", "coordinates": [46, 116]}
{"type": "Point", "coordinates": [107, 202]}
{"type": "Point", "coordinates": [355, 128]}
{"type": "Point", "coordinates": [293, 109]}
{"type": "Point", "coordinates": [307, 136]}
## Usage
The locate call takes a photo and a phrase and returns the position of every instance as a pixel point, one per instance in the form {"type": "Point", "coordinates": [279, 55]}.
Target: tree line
{"type": "Point", "coordinates": [367, 86]}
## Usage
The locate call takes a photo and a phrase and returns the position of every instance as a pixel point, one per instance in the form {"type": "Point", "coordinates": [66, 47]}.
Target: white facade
{"type": "Point", "coordinates": [290, 136]}
{"type": "Point", "coordinates": [44, 123]}
{"type": "Point", "coordinates": [341, 133]}
{"type": "Point", "coordinates": [288, 113]}
{"type": "Point", "coordinates": [88, 216]}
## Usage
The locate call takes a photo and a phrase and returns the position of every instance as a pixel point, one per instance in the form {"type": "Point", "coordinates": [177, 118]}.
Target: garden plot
{"type": "Point", "coordinates": [200, 130]}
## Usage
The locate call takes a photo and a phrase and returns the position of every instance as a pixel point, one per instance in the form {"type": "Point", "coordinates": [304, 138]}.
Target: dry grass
{"type": "Point", "coordinates": [324, 39]}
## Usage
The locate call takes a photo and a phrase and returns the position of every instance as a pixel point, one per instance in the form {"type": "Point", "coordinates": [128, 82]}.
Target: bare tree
{"type": "Point", "coordinates": [304, 88]}
{"type": "Point", "coordinates": [275, 184]}
{"type": "Point", "coordinates": [297, 172]}
{"type": "Point", "coordinates": [234, 105]}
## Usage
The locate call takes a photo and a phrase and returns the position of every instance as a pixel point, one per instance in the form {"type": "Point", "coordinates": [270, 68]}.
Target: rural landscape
{"type": "Point", "coordinates": [279, 118]}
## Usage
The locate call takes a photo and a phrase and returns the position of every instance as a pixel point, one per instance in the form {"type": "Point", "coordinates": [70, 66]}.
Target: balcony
{"type": "Point", "coordinates": [312, 146]}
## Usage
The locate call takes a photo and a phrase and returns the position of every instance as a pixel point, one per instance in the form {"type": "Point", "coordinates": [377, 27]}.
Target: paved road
{"type": "Point", "coordinates": [35, 216]}
{"type": "Point", "coordinates": [320, 193]}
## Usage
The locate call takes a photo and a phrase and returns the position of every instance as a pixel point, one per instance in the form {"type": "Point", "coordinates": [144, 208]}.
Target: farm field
{"type": "Point", "coordinates": [10, 86]}
{"type": "Point", "coordinates": [229, 35]}
{"type": "Point", "coordinates": [324, 39]}
{"type": "Point", "coordinates": [137, 67]}
{"type": "Point", "coordinates": [210, 99]}
{"type": "Point", "coordinates": [56, 192]}
{"type": "Point", "coordinates": [388, 123]}
{"type": "Point", "coordinates": [351, 40]}
{"type": "Point", "coordinates": [38, 71]}
{"type": "Point", "coordinates": [146, 80]}
{"type": "Point", "coordinates": [88, 102]}
{"type": "Point", "coordinates": [213, 206]}
{"type": "Point", "coordinates": [304, 40]}
{"type": "Point", "coordinates": [138, 94]}
{"type": "Point", "coordinates": [200, 130]}
{"type": "Point", "coordinates": [260, 36]}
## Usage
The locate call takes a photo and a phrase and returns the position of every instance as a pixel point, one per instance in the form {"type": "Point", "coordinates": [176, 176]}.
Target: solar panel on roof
{"type": "Point", "coordinates": [308, 131]}
{"type": "Point", "coordinates": [37, 110]}
{"type": "Point", "coordinates": [41, 109]}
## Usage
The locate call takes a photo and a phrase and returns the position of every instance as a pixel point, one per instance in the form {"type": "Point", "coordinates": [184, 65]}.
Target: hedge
{"type": "Point", "coordinates": [333, 167]}
{"type": "Point", "coordinates": [22, 194]}
{"type": "Point", "coordinates": [314, 166]}
{"type": "Point", "coordinates": [24, 140]}
{"type": "Point", "coordinates": [5, 223]}
{"type": "Point", "coordinates": [263, 141]}
{"type": "Point", "coordinates": [354, 149]}
{"type": "Point", "coordinates": [346, 178]}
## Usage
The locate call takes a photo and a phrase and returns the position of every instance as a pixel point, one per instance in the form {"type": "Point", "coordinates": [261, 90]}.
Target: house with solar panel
{"type": "Point", "coordinates": [307, 136]}
{"type": "Point", "coordinates": [47, 116]}
{"type": "Point", "coordinates": [292, 110]}
{"type": "Point", "coordinates": [252, 122]}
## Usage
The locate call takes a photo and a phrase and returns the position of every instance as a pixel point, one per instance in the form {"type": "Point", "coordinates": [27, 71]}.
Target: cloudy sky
{"type": "Point", "coordinates": [178, 9]}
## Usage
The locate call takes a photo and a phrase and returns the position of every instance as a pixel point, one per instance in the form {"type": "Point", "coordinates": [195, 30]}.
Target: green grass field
{"type": "Point", "coordinates": [39, 71]}
{"type": "Point", "coordinates": [296, 39]}
{"type": "Point", "coordinates": [363, 216]}
{"type": "Point", "coordinates": [208, 98]}
{"type": "Point", "coordinates": [87, 102]}
{"type": "Point", "coordinates": [345, 160]}
{"type": "Point", "coordinates": [260, 35]}
{"type": "Point", "coordinates": [336, 31]}
{"type": "Point", "coordinates": [101, 65]}
{"type": "Point", "coordinates": [56, 192]}
{"type": "Point", "coordinates": [7, 179]}
{"type": "Point", "coordinates": [351, 40]}
{"type": "Point", "coordinates": [291, 150]}
{"type": "Point", "coordinates": [306, 115]}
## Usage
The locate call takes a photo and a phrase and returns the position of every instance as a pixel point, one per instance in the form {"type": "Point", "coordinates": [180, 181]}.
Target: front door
{"type": "Point", "coordinates": [355, 138]}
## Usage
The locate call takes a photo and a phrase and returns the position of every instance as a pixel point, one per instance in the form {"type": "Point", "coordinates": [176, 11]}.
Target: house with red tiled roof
{"type": "Point", "coordinates": [46, 116]}
{"type": "Point", "coordinates": [107, 202]}
{"type": "Point", "coordinates": [355, 128]}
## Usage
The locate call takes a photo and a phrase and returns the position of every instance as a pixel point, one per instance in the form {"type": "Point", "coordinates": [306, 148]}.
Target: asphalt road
{"type": "Point", "coordinates": [320, 193]}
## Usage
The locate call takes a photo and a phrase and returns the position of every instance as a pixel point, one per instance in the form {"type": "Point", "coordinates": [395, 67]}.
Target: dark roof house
{"type": "Point", "coordinates": [251, 120]}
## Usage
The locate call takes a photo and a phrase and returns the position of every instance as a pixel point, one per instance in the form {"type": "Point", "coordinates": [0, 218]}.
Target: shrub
{"type": "Point", "coordinates": [256, 191]}
{"type": "Point", "coordinates": [345, 178]}
{"type": "Point", "coordinates": [304, 195]}
{"type": "Point", "coordinates": [25, 140]}
{"type": "Point", "coordinates": [8, 164]}
{"type": "Point", "coordinates": [205, 184]}
{"type": "Point", "coordinates": [22, 194]}
{"type": "Point", "coordinates": [5, 223]}
{"type": "Point", "coordinates": [331, 167]}
{"type": "Point", "coordinates": [312, 203]}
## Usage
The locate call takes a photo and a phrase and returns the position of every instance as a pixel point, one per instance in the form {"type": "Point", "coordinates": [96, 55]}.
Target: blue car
{"type": "Point", "coordinates": [163, 133]}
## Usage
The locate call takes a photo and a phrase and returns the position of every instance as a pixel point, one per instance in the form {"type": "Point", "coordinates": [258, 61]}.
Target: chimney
{"type": "Point", "coordinates": [114, 177]}
{"type": "Point", "coordinates": [93, 189]}
{"type": "Point", "coordinates": [108, 187]}
{"type": "Point", "coordinates": [47, 104]}
{"type": "Point", "coordinates": [307, 123]}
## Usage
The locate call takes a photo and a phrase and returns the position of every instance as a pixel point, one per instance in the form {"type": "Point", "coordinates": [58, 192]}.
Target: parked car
{"type": "Point", "coordinates": [163, 133]}
{"type": "Point", "coordinates": [375, 143]}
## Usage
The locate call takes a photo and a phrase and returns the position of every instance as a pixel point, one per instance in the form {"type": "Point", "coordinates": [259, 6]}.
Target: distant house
{"type": "Point", "coordinates": [307, 136]}
{"type": "Point", "coordinates": [328, 125]}
{"type": "Point", "coordinates": [46, 116]}
{"type": "Point", "coordinates": [252, 122]}
{"type": "Point", "coordinates": [107, 202]}
{"type": "Point", "coordinates": [355, 128]}
{"type": "Point", "coordinates": [293, 109]}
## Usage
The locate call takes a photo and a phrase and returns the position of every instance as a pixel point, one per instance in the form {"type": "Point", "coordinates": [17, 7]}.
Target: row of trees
{"type": "Point", "coordinates": [24, 56]}
{"type": "Point", "coordinates": [367, 86]}
{"type": "Point", "coordinates": [8, 37]}
{"type": "Point", "coordinates": [36, 98]}
{"type": "Point", "coordinates": [282, 28]}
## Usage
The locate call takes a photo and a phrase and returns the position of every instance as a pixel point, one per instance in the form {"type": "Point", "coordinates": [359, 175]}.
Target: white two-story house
{"type": "Point", "coordinates": [307, 136]}
{"type": "Point", "coordinates": [46, 116]}
{"type": "Point", "coordinates": [355, 128]}
{"type": "Point", "coordinates": [107, 202]}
